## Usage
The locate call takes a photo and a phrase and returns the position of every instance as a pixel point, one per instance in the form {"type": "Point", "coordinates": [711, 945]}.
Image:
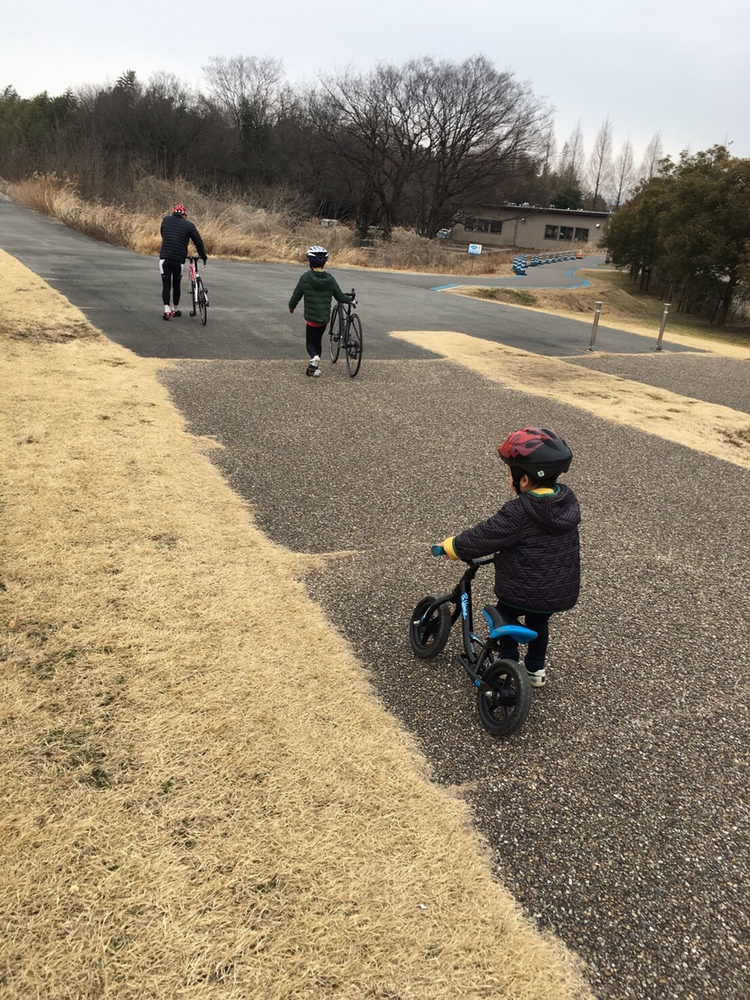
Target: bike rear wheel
{"type": "Point", "coordinates": [202, 301]}
{"type": "Point", "coordinates": [504, 702]}
{"type": "Point", "coordinates": [193, 299]}
{"type": "Point", "coordinates": [335, 330]}
{"type": "Point", "coordinates": [429, 636]}
{"type": "Point", "coordinates": [353, 344]}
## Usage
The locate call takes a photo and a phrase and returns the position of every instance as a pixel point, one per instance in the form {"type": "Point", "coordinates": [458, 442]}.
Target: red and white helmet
{"type": "Point", "coordinates": [179, 210]}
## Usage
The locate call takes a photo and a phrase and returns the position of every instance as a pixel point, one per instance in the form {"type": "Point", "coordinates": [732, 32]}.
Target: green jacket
{"type": "Point", "coordinates": [318, 289]}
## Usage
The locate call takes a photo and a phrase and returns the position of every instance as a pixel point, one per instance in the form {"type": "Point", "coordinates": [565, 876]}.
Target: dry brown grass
{"type": "Point", "coordinates": [237, 229]}
{"type": "Point", "coordinates": [194, 803]}
{"type": "Point", "coordinates": [623, 306]}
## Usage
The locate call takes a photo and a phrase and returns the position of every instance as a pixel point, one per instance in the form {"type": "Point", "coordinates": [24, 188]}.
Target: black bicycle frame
{"type": "Point", "coordinates": [461, 598]}
{"type": "Point", "coordinates": [473, 662]}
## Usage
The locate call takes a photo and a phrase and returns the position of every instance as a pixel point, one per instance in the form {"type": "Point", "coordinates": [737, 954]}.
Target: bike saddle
{"type": "Point", "coordinates": [499, 626]}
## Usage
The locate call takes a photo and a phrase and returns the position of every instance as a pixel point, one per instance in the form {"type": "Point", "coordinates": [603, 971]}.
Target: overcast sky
{"type": "Point", "coordinates": [680, 67]}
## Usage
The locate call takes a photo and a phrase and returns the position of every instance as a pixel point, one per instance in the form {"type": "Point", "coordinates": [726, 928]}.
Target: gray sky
{"type": "Point", "coordinates": [681, 67]}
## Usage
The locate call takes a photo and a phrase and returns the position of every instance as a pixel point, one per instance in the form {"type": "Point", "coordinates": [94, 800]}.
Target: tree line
{"type": "Point", "coordinates": [400, 145]}
{"type": "Point", "coordinates": [688, 228]}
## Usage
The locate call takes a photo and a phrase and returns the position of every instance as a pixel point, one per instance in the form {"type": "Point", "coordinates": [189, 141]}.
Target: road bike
{"type": "Point", "coordinates": [345, 332]}
{"type": "Point", "coordinates": [198, 292]}
{"type": "Point", "coordinates": [503, 686]}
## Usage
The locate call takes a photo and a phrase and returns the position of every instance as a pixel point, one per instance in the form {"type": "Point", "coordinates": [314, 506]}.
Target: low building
{"type": "Point", "coordinates": [531, 227]}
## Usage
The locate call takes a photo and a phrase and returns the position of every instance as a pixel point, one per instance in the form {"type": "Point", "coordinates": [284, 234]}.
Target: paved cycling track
{"type": "Point", "coordinates": [120, 292]}
{"type": "Point", "coordinates": [618, 815]}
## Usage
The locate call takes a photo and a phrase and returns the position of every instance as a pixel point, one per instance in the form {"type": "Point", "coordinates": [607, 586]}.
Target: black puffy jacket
{"type": "Point", "coordinates": [537, 550]}
{"type": "Point", "coordinates": [176, 233]}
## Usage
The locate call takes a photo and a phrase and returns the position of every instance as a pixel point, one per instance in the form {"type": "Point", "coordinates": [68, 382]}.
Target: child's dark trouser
{"type": "Point", "coordinates": [536, 620]}
{"type": "Point", "coordinates": [314, 339]}
{"type": "Point", "coordinates": [171, 273]}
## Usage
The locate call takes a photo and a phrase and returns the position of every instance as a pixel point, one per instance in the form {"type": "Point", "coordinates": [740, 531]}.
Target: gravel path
{"type": "Point", "coordinates": [617, 816]}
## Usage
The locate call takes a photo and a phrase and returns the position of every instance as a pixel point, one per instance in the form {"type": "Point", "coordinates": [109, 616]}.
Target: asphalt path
{"type": "Point", "coordinates": [120, 292]}
{"type": "Point", "coordinates": [618, 815]}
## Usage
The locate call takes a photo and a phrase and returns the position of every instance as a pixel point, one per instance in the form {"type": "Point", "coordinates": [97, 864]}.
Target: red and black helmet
{"type": "Point", "coordinates": [537, 451]}
{"type": "Point", "coordinates": [179, 210]}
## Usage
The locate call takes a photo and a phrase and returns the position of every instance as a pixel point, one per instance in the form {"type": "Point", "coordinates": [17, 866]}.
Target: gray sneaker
{"type": "Point", "coordinates": [538, 678]}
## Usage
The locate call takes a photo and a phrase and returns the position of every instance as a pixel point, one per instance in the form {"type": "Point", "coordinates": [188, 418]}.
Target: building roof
{"type": "Point", "coordinates": [526, 207]}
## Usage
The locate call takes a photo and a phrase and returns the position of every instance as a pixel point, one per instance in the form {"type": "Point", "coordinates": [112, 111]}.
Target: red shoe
{"type": "Point", "coordinates": [166, 316]}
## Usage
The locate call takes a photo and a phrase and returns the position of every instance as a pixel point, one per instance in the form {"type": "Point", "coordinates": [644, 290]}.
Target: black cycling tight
{"type": "Point", "coordinates": [171, 273]}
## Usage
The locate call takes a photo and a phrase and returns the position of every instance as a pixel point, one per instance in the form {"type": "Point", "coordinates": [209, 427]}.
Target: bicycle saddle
{"type": "Point", "coordinates": [499, 626]}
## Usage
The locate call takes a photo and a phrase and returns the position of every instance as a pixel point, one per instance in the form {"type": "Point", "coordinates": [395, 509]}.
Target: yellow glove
{"type": "Point", "coordinates": [450, 552]}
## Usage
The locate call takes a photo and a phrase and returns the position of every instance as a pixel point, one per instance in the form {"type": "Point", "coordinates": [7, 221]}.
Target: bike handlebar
{"type": "Point", "coordinates": [438, 550]}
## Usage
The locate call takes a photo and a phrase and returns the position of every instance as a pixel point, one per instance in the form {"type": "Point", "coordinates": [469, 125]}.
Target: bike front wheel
{"type": "Point", "coordinates": [202, 301]}
{"type": "Point", "coordinates": [504, 699]}
{"type": "Point", "coordinates": [192, 298]}
{"type": "Point", "coordinates": [428, 635]}
{"type": "Point", "coordinates": [353, 344]}
{"type": "Point", "coordinates": [335, 330]}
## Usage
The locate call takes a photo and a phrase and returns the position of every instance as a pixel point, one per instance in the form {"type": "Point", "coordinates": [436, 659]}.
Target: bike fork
{"type": "Point", "coordinates": [467, 659]}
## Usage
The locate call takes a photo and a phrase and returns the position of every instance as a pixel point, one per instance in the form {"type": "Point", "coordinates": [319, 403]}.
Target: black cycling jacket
{"type": "Point", "coordinates": [176, 233]}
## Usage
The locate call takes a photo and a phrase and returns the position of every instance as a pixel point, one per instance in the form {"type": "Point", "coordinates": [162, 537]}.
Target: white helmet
{"type": "Point", "coordinates": [317, 255]}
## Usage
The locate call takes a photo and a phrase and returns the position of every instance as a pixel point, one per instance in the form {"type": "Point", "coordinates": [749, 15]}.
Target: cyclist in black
{"type": "Point", "coordinates": [176, 233]}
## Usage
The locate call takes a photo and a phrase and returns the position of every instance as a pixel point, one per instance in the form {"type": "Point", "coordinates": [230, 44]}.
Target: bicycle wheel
{"type": "Point", "coordinates": [353, 344]}
{"type": "Point", "coordinates": [202, 301]}
{"type": "Point", "coordinates": [192, 297]}
{"type": "Point", "coordinates": [428, 637]}
{"type": "Point", "coordinates": [504, 704]}
{"type": "Point", "coordinates": [334, 331]}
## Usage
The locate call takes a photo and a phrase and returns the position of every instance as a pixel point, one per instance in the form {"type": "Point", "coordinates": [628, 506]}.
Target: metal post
{"type": "Point", "coordinates": [663, 324]}
{"type": "Point", "coordinates": [596, 324]}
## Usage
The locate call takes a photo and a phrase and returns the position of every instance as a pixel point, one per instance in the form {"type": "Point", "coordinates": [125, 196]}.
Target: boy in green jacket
{"type": "Point", "coordinates": [318, 287]}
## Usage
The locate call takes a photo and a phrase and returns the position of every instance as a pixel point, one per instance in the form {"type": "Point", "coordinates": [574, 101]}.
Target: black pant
{"type": "Point", "coordinates": [171, 273]}
{"type": "Point", "coordinates": [536, 620]}
{"type": "Point", "coordinates": [314, 339]}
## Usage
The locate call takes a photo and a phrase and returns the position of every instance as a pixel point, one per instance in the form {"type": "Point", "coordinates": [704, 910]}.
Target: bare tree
{"type": "Point", "coordinates": [426, 137]}
{"type": "Point", "coordinates": [365, 123]}
{"type": "Point", "coordinates": [478, 125]}
{"type": "Point", "coordinates": [652, 157]}
{"type": "Point", "coordinates": [170, 125]}
{"type": "Point", "coordinates": [571, 159]}
{"type": "Point", "coordinates": [245, 88]}
{"type": "Point", "coordinates": [623, 174]}
{"type": "Point", "coordinates": [247, 92]}
{"type": "Point", "coordinates": [600, 164]}
{"type": "Point", "coordinates": [548, 153]}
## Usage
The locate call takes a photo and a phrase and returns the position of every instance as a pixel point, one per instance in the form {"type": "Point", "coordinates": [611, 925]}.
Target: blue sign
{"type": "Point", "coordinates": [475, 248]}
